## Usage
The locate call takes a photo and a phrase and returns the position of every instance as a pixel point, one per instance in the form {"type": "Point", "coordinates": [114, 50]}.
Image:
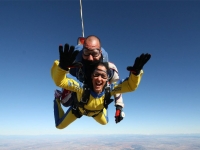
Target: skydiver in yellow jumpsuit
{"type": "Point", "coordinates": [88, 59]}
{"type": "Point", "coordinates": [95, 107]}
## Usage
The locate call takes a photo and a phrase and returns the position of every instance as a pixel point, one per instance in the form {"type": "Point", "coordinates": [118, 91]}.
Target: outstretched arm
{"type": "Point", "coordinates": [128, 85]}
{"type": "Point", "coordinates": [131, 83]}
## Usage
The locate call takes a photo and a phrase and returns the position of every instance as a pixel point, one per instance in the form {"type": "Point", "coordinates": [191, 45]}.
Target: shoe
{"type": "Point", "coordinates": [58, 94]}
{"type": "Point", "coordinates": [66, 95]}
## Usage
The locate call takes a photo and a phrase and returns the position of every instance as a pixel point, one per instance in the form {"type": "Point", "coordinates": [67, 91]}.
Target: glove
{"type": "Point", "coordinates": [139, 63]}
{"type": "Point", "coordinates": [67, 57]}
{"type": "Point", "coordinates": [119, 114]}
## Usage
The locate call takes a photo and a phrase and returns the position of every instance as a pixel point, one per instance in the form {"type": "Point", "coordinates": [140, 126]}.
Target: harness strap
{"type": "Point", "coordinates": [85, 99]}
{"type": "Point", "coordinates": [85, 96]}
{"type": "Point", "coordinates": [75, 109]}
{"type": "Point", "coordinates": [97, 113]}
{"type": "Point", "coordinates": [76, 112]}
{"type": "Point", "coordinates": [86, 111]}
{"type": "Point", "coordinates": [107, 99]}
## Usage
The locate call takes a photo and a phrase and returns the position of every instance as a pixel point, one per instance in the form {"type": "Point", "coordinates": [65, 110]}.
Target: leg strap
{"type": "Point", "coordinates": [76, 112]}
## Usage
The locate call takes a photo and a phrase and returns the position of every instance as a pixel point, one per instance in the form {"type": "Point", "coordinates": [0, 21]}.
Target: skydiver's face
{"type": "Point", "coordinates": [99, 79]}
{"type": "Point", "coordinates": [92, 51]}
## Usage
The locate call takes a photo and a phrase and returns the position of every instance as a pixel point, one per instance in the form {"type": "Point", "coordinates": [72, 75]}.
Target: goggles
{"type": "Point", "coordinates": [101, 73]}
{"type": "Point", "coordinates": [93, 52]}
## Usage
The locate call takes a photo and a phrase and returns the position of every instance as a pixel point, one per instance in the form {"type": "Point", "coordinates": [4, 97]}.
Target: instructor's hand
{"type": "Point", "coordinates": [119, 114]}
{"type": "Point", "coordinates": [67, 57]}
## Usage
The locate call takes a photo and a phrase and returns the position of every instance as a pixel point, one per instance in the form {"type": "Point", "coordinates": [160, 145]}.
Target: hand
{"type": "Point", "coordinates": [119, 114]}
{"type": "Point", "coordinates": [139, 63]}
{"type": "Point", "coordinates": [67, 57]}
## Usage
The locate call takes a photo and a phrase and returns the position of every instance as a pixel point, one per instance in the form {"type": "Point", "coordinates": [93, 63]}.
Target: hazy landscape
{"type": "Point", "coordinates": [101, 142]}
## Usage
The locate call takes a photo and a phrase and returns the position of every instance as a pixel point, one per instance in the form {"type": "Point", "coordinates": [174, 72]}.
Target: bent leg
{"type": "Point", "coordinates": [102, 117]}
{"type": "Point", "coordinates": [62, 120]}
{"type": "Point", "coordinates": [58, 111]}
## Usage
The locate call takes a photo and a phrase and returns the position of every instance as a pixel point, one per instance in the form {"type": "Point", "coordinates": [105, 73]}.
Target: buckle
{"type": "Point", "coordinates": [86, 95]}
{"type": "Point", "coordinates": [85, 101]}
{"type": "Point", "coordinates": [85, 112]}
{"type": "Point", "coordinates": [74, 107]}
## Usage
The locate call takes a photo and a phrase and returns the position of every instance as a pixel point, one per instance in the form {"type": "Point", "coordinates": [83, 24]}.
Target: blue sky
{"type": "Point", "coordinates": [167, 100]}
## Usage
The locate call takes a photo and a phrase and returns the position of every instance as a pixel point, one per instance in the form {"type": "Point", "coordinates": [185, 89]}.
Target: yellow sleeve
{"type": "Point", "coordinates": [128, 85]}
{"type": "Point", "coordinates": [60, 79]}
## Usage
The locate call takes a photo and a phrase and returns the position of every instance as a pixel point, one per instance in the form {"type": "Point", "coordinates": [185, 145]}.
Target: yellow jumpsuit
{"type": "Point", "coordinates": [96, 101]}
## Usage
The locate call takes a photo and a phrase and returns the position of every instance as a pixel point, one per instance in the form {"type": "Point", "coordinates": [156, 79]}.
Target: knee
{"type": "Point", "coordinates": [103, 122]}
{"type": "Point", "coordinates": [60, 127]}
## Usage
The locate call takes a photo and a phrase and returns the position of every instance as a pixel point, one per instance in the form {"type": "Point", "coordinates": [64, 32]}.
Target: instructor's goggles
{"type": "Point", "coordinates": [93, 52]}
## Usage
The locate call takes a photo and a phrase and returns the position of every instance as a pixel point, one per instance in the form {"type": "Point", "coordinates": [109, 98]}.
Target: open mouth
{"type": "Point", "coordinates": [98, 84]}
